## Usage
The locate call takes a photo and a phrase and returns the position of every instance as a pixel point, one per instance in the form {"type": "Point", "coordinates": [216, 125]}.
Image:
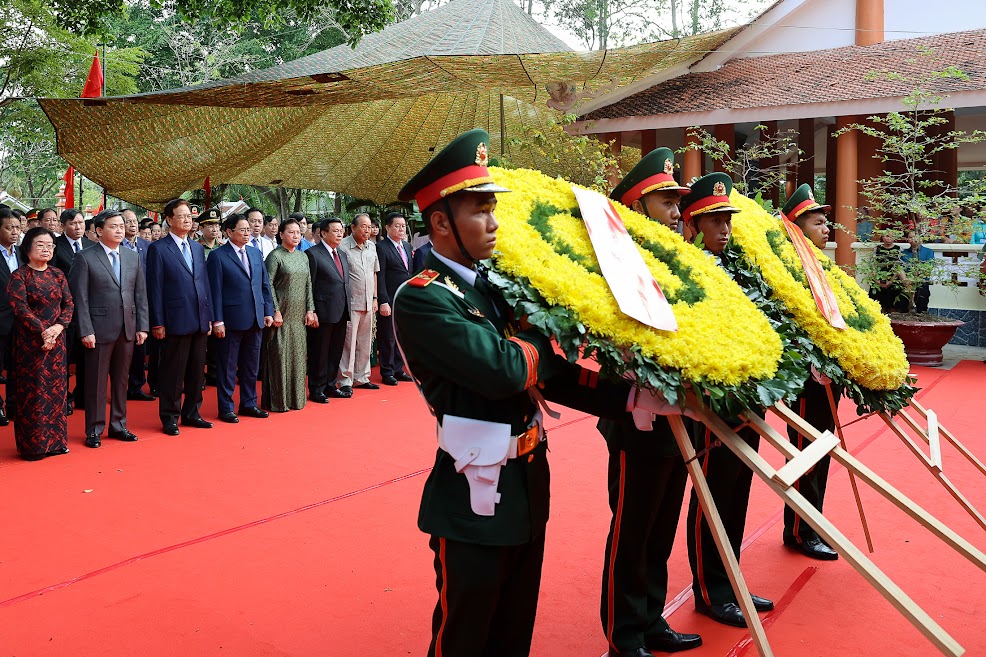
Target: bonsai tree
{"type": "Point", "coordinates": [907, 198]}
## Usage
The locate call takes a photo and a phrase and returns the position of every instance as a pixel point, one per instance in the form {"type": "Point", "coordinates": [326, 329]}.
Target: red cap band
{"type": "Point", "coordinates": [656, 181]}
{"type": "Point", "coordinates": [451, 183]}
{"type": "Point", "coordinates": [707, 204]}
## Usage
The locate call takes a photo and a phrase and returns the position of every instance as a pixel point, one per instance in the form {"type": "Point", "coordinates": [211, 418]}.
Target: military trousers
{"type": "Point", "coordinates": [646, 489]}
{"type": "Point", "coordinates": [813, 406]}
{"type": "Point", "coordinates": [487, 598]}
{"type": "Point", "coordinates": [729, 481]}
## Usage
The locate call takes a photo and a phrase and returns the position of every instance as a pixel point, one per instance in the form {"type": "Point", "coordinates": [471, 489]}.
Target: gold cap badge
{"type": "Point", "coordinates": [669, 167]}
{"type": "Point", "coordinates": [719, 189]}
{"type": "Point", "coordinates": [810, 195]}
{"type": "Point", "coordinates": [482, 158]}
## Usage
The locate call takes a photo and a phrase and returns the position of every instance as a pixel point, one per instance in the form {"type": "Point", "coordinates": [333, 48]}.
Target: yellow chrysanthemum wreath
{"type": "Point", "coordinates": [548, 271]}
{"type": "Point", "coordinates": [868, 351]}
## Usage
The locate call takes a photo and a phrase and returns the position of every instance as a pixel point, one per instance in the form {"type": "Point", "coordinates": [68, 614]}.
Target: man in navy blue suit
{"type": "Point", "coordinates": [138, 375]}
{"type": "Point", "coordinates": [243, 306]}
{"type": "Point", "coordinates": [181, 317]}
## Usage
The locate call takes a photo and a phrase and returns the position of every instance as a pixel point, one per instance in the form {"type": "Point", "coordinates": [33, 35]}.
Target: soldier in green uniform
{"type": "Point", "coordinates": [706, 211]}
{"type": "Point", "coordinates": [646, 475]}
{"type": "Point", "coordinates": [813, 404]}
{"type": "Point", "coordinates": [485, 503]}
{"type": "Point", "coordinates": [209, 222]}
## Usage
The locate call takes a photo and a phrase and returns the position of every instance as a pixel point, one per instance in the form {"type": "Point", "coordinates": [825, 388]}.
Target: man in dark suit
{"type": "Point", "coordinates": [330, 286]}
{"type": "Point", "coordinates": [67, 245]}
{"type": "Point", "coordinates": [394, 253]}
{"type": "Point", "coordinates": [181, 317]}
{"type": "Point", "coordinates": [138, 373]}
{"type": "Point", "coordinates": [110, 293]}
{"type": "Point", "coordinates": [420, 254]}
{"type": "Point", "coordinates": [10, 230]}
{"type": "Point", "coordinates": [242, 306]}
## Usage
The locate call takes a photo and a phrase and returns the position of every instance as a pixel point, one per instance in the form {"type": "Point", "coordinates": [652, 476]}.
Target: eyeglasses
{"type": "Point", "coordinates": [44, 247]}
{"type": "Point", "coordinates": [241, 231]}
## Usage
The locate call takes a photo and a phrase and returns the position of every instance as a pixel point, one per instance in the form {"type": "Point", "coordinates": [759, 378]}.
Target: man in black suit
{"type": "Point", "coordinates": [180, 316]}
{"type": "Point", "coordinates": [243, 307]}
{"type": "Point", "coordinates": [394, 253]}
{"type": "Point", "coordinates": [330, 286]}
{"type": "Point", "coordinates": [138, 373]}
{"type": "Point", "coordinates": [67, 245]}
{"type": "Point", "coordinates": [10, 230]}
{"type": "Point", "coordinates": [110, 294]}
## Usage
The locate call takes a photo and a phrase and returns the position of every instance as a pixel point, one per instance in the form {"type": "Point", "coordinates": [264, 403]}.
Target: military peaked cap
{"type": "Point", "coordinates": [459, 167]}
{"type": "Point", "coordinates": [708, 194]}
{"type": "Point", "coordinates": [654, 172]}
{"type": "Point", "coordinates": [801, 201]}
{"type": "Point", "coordinates": [210, 216]}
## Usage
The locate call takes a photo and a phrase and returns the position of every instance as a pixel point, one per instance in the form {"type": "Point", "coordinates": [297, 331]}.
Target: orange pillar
{"type": "Point", "coordinates": [725, 132]}
{"type": "Point", "coordinates": [869, 22]}
{"type": "Point", "coordinates": [691, 165]}
{"type": "Point", "coordinates": [648, 141]}
{"type": "Point", "coordinates": [846, 191]}
{"type": "Point", "coordinates": [615, 139]}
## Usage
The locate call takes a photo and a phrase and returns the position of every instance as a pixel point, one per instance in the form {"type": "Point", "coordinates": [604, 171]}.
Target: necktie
{"type": "Point", "coordinates": [335, 256]}
{"type": "Point", "coordinates": [246, 262]}
{"type": "Point", "coordinates": [76, 246]}
{"type": "Point", "coordinates": [256, 242]}
{"type": "Point", "coordinates": [400, 249]}
{"type": "Point", "coordinates": [186, 254]}
{"type": "Point", "coordinates": [115, 261]}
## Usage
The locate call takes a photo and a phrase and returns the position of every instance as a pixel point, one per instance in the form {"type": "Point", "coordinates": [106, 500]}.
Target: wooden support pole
{"type": "Point", "coordinates": [852, 477]}
{"type": "Point", "coordinates": [829, 533]}
{"type": "Point", "coordinates": [648, 141]}
{"type": "Point", "coordinates": [719, 535]}
{"type": "Point", "coordinates": [771, 193]}
{"type": "Point", "coordinates": [806, 159]}
{"type": "Point", "coordinates": [725, 132]}
{"type": "Point", "coordinates": [846, 192]}
{"type": "Point", "coordinates": [951, 439]}
{"type": "Point", "coordinates": [691, 166]}
{"type": "Point", "coordinates": [934, 469]}
{"type": "Point", "coordinates": [876, 482]}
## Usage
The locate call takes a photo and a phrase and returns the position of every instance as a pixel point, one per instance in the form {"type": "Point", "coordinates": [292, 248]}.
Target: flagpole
{"type": "Point", "coordinates": [103, 95]}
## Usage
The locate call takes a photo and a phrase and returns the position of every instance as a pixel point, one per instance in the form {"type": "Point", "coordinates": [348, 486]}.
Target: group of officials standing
{"type": "Point", "coordinates": [316, 307]}
{"type": "Point", "coordinates": [484, 376]}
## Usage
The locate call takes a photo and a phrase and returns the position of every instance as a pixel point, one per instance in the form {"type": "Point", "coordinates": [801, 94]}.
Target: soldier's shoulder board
{"type": "Point", "coordinates": [423, 278]}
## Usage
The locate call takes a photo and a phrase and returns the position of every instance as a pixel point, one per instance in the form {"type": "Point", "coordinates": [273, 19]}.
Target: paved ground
{"type": "Point", "coordinates": [954, 353]}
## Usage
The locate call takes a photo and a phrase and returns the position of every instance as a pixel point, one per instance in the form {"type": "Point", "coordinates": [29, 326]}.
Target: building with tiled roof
{"type": "Point", "coordinates": [807, 66]}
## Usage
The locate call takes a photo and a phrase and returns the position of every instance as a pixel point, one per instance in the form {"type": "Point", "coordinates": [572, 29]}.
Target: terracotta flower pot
{"type": "Point", "coordinates": [923, 340]}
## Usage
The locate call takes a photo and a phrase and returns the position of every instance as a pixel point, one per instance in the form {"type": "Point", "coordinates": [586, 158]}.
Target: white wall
{"type": "Point", "coordinates": [908, 19]}
{"type": "Point", "coordinates": [822, 24]}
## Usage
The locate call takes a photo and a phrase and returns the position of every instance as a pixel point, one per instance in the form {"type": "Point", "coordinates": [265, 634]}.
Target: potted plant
{"type": "Point", "coordinates": [910, 203]}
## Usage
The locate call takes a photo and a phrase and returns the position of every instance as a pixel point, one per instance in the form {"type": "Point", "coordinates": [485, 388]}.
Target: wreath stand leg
{"type": "Point", "coordinates": [718, 531]}
{"type": "Point", "coordinates": [852, 477]}
{"type": "Point", "coordinates": [933, 466]}
{"type": "Point", "coordinates": [781, 482]}
{"type": "Point", "coordinates": [950, 438]}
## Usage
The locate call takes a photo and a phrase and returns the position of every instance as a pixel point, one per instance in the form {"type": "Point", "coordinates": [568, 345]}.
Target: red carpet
{"type": "Point", "coordinates": [296, 536]}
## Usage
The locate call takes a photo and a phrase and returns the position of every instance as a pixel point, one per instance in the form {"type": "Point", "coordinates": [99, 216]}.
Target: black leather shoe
{"type": "Point", "coordinates": [812, 547]}
{"type": "Point", "coordinates": [367, 386]}
{"type": "Point", "coordinates": [253, 411]}
{"type": "Point", "coordinates": [57, 452]}
{"type": "Point", "coordinates": [4, 420]}
{"type": "Point", "coordinates": [671, 641]}
{"type": "Point", "coordinates": [171, 429]}
{"type": "Point", "coordinates": [635, 652]}
{"type": "Point", "coordinates": [196, 422]}
{"type": "Point", "coordinates": [339, 393]}
{"type": "Point", "coordinates": [403, 376]}
{"type": "Point", "coordinates": [346, 390]}
{"type": "Point", "coordinates": [92, 440]}
{"type": "Point", "coordinates": [124, 435]}
{"type": "Point", "coordinates": [728, 613]}
{"type": "Point", "coordinates": [68, 409]}
{"type": "Point", "coordinates": [761, 604]}
{"type": "Point", "coordinates": [229, 416]}
{"type": "Point", "coordinates": [139, 395]}
{"type": "Point", "coordinates": [319, 399]}
{"type": "Point", "coordinates": [389, 381]}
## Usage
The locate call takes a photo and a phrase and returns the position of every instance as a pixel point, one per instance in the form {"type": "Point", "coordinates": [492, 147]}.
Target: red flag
{"type": "Point", "coordinates": [69, 179]}
{"type": "Point", "coordinates": [94, 83]}
{"type": "Point", "coordinates": [208, 193]}
{"type": "Point", "coordinates": [98, 210]}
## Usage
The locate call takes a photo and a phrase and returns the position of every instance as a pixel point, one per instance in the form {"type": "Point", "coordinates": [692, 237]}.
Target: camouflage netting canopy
{"type": "Point", "coordinates": [359, 121]}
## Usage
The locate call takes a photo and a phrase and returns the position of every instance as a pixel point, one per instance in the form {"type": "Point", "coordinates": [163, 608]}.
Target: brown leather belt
{"type": "Point", "coordinates": [530, 439]}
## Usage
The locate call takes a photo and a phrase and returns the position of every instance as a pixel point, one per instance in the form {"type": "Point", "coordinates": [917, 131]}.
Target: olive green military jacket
{"type": "Point", "coordinates": [458, 350]}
